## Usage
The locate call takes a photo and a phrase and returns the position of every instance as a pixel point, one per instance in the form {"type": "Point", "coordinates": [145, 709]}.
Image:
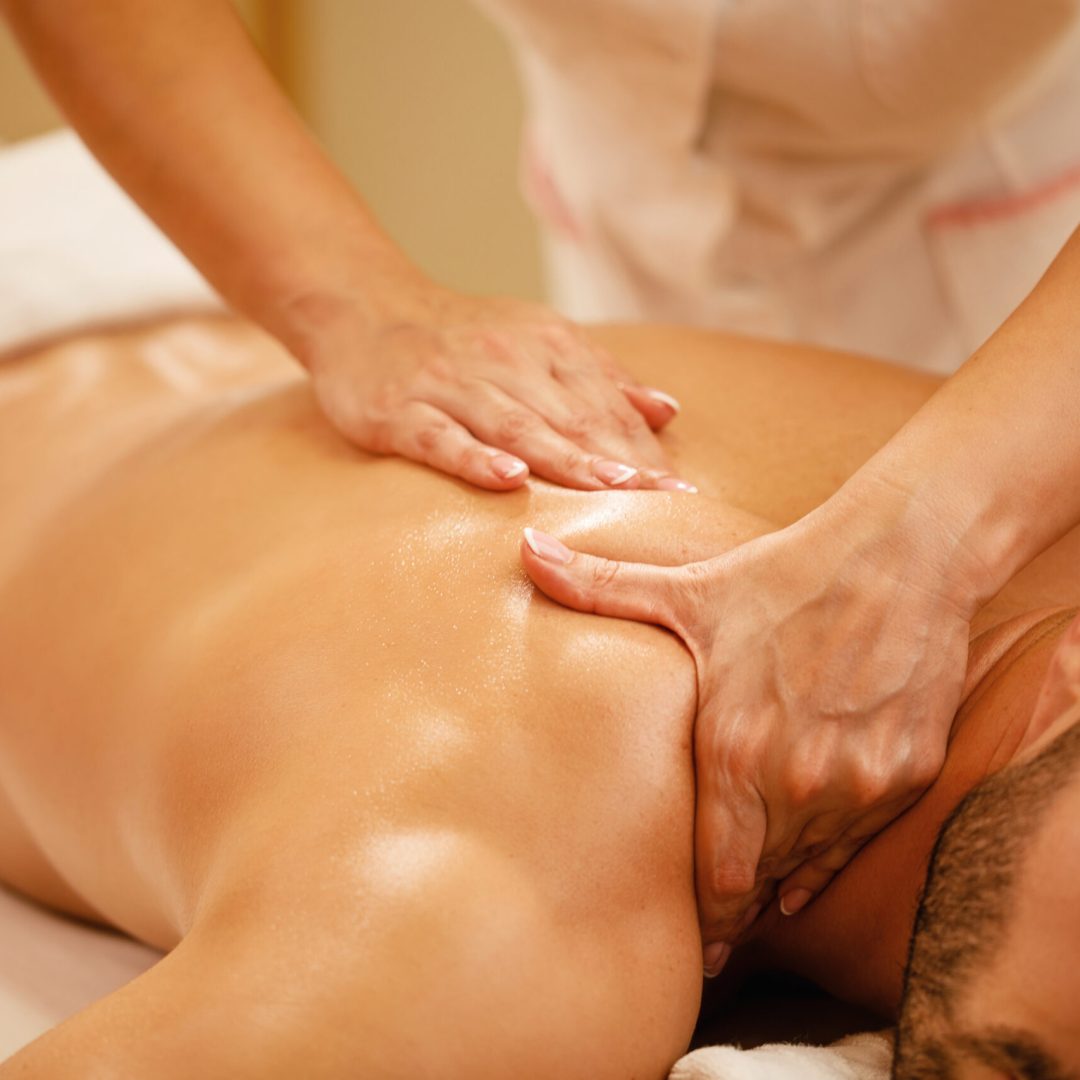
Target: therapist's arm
{"type": "Point", "coordinates": [173, 99]}
{"type": "Point", "coordinates": [831, 654]}
{"type": "Point", "coordinates": [994, 456]}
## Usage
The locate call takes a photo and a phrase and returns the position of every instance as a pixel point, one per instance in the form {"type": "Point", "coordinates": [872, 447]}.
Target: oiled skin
{"type": "Point", "coordinates": [299, 709]}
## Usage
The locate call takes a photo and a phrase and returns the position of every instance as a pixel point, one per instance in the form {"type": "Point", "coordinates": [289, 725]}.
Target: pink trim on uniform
{"type": "Point", "coordinates": [543, 195]}
{"type": "Point", "coordinates": [979, 211]}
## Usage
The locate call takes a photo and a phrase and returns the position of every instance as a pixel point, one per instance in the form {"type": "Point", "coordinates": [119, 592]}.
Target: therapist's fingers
{"type": "Point", "coordinates": [657, 408]}
{"type": "Point", "coordinates": [807, 881]}
{"type": "Point", "coordinates": [732, 814]}
{"type": "Point", "coordinates": [592, 413]}
{"type": "Point", "coordinates": [596, 380]}
{"type": "Point", "coordinates": [619, 413]}
{"type": "Point", "coordinates": [625, 590]}
{"type": "Point", "coordinates": [427, 435]}
{"type": "Point", "coordinates": [811, 879]}
{"type": "Point", "coordinates": [498, 419]}
{"type": "Point", "coordinates": [728, 836]}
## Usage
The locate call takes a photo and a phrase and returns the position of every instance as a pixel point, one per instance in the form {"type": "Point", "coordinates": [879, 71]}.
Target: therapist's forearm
{"type": "Point", "coordinates": [174, 100]}
{"type": "Point", "coordinates": [991, 464]}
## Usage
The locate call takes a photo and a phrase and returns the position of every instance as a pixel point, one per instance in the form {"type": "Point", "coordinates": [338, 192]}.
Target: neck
{"type": "Point", "coordinates": [853, 941]}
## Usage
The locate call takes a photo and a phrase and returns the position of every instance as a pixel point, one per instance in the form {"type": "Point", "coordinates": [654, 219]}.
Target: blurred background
{"type": "Point", "coordinates": [416, 100]}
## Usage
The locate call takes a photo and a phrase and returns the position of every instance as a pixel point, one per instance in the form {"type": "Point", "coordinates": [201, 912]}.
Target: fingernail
{"type": "Point", "coordinates": [547, 547]}
{"type": "Point", "coordinates": [671, 483]}
{"type": "Point", "coordinates": [664, 399]}
{"type": "Point", "coordinates": [507, 467]}
{"type": "Point", "coordinates": [613, 473]}
{"type": "Point", "coordinates": [793, 902]}
{"type": "Point", "coordinates": [715, 957]}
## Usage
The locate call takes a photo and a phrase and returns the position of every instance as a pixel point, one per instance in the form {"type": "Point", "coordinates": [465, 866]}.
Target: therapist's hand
{"type": "Point", "coordinates": [488, 390]}
{"type": "Point", "coordinates": [193, 126]}
{"type": "Point", "coordinates": [830, 658]}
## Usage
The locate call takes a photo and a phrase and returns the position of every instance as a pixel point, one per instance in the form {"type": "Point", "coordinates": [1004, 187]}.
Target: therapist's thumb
{"type": "Point", "coordinates": [601, 586]}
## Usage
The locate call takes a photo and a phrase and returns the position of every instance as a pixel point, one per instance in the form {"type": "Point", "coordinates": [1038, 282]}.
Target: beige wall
{"type": "Point", "coordinates": [418, 102]}
{"type": "Point", "coordinates": [415, 99]}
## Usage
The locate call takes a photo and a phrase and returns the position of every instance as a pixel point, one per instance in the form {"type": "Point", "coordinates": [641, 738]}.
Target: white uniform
{"type": "Point", "coordinates": [889, 176]}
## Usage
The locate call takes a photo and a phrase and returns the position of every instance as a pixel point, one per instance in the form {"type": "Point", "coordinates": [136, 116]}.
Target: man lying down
{"type": "Point", "coordinates": [296, 715]}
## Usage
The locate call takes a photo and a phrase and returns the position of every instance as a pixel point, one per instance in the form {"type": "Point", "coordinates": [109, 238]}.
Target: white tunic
{"type": "Point", "coordinates": [889, 176]}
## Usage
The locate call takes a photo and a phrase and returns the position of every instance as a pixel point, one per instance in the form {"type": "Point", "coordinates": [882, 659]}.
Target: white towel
{"type": "Point", "coordinates": [76, 251]}
{"type": "Point", "coordinates": [858, 1057]}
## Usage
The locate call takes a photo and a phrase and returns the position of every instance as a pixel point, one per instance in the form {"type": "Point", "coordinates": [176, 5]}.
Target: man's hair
{"type": "Point", "coordinates": [968, 898]}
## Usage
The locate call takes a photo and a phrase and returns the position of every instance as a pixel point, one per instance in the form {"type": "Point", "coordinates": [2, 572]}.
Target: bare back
{"type": "Point", "coordinates": [237, 653]}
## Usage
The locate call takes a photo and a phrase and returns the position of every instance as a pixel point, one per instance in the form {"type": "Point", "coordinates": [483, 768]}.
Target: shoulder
{"type": "Point", "coordinates": [433, 952]}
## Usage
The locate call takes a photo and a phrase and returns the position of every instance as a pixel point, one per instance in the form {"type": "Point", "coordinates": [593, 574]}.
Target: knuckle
{"type": "Point", "coordinates": [571, 463]}
{"type": "Point", "coordinates": [469, 458]}
{"type": "Point", "coordinates": [824, 863]}
{"type": "Point", "coordinates": [376, 440]}
{"type": "Point", "coordinates": [369, 426]}
{"type": "Point", "coordinates": [627, 422]}
{"type": "Point", "coordinates": [514, 425]}
{"type": "Point", "coordinates": [354, 423]}
{"type": "Point", "coordinates": [731, 880]}
{"type": "Point", "coordinates": [787, 865]}
{"type": "Point", "coordinates": [430, 436]}
{"type": "Point", "coordinates": [559, 336]}
{"type": "Point", "coordinates": [766, 868]}
{"type": "Point", "coordinates": [805, 780]}
{"type": "Point", "coordinates": [814, 849]}
{"type": "Point", "coordinates": [606, 363]}
{"type": "Point", "coordinates": [836, 858]}
{"type": "Point", "coordinates": [578, 426]}
{"type": "Point", "coordinates": [925, 768]}
{"type": "Point", "coordinates": [497, 345]}
{"type": "Point", "coordinates": [604, 572]}
{"type": "Point", "coordinates": [370, 437]}
{"type": "Point", "coordinates": [870, 785]}
{"type": "Point", "coordinates": [439, 368]}
{"type": "Point", "coordinates": [350, 412]}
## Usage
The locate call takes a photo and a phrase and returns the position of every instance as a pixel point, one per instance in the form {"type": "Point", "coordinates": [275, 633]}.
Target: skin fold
{"type": "Point", "coordinates": [295, 713]}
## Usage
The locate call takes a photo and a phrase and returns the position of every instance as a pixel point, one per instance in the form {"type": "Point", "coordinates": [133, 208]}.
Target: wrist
{"type": "Point", "coordinates": [346, 295]}
{"type": "Point", "coordinates": [314, 313]}
{"type": "Point", "coordinates": [919, 533]}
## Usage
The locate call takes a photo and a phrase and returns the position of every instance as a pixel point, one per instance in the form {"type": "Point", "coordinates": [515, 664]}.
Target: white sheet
{"type": "Point", "coordinates": [75, 251]}
{"type": "Point", "coordinates": [50, 967]}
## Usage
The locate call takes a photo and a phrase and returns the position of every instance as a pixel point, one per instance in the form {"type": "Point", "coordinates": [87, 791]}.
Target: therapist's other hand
{"type": "Point", "coordinates": [830, 659]}
{"type": "Point", "coordinates": [489, 390]}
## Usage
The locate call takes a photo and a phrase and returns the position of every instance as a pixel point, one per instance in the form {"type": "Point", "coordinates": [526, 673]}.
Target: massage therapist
{"type": "Point", "coordinates": [885, 176]}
